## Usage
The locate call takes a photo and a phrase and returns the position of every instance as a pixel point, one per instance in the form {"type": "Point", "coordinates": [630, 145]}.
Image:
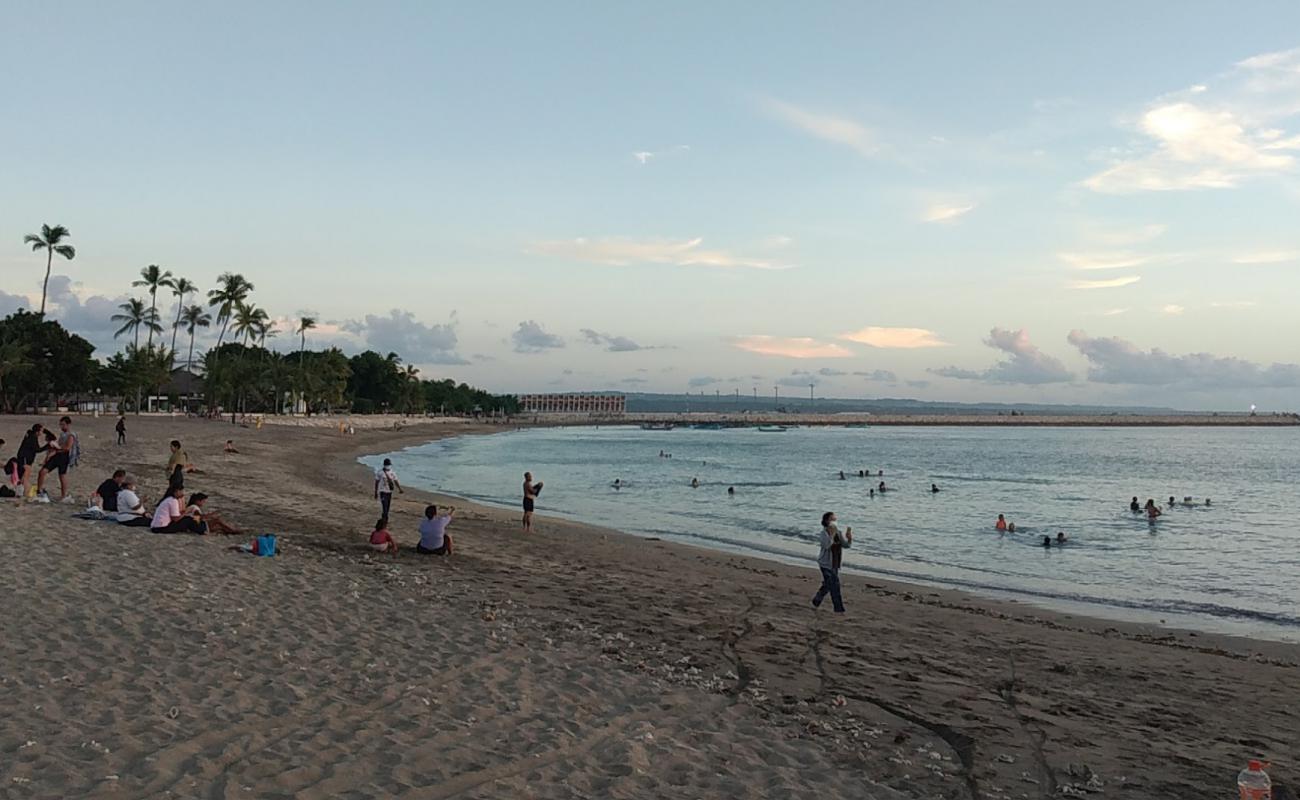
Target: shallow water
{"type": "Point", "coordinates": [1233, 567]}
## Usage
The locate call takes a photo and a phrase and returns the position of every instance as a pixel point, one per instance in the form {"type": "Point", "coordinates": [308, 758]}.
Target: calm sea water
{"type": "Point", "coordinates": [1232, 567]}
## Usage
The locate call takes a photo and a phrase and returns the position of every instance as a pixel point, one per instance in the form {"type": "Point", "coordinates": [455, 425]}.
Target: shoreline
{"type": "Point", "coordinates": [864, 419]}
{"type": "Point", "coordinates": [573, 662]}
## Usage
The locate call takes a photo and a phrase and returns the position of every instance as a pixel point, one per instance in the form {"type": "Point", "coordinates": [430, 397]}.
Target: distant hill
{"type": "Point", "coordinates": [644, 403]}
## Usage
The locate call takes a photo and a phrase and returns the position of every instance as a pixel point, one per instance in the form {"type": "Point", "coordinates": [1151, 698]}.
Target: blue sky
{"type": "Point", "coordinates": [1008, 201]}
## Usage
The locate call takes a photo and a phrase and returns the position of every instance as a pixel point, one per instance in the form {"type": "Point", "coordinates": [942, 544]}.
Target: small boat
{"type": "Point", "coordinates": [772, 429]}
{"type": "Point", "coordinates": [656, 426]}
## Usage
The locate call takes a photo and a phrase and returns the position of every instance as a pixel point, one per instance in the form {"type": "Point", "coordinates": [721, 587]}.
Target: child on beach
{"type": "Point", "coordinates": [381, 541]}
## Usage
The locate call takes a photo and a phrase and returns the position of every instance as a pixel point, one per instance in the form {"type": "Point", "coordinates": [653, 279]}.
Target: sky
{"type": "Point", "coordinates": [1009, 201]}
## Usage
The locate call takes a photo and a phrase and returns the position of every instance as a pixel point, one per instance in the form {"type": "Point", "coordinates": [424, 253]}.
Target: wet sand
{"type": "Point", "coordinates": [575, 662]}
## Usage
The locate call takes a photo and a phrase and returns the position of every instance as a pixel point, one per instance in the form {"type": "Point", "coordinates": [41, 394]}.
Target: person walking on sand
{"type": "Point", "coordinates": [120, 427]}
{"type": "Point", "coordinates": [531, 490]}
{"type": "Point", "coordinates": [832, 544]}
{"type": "Point", "coordinates": [62, 459]}
{"type": "Point", "coordinates": [385, 482]}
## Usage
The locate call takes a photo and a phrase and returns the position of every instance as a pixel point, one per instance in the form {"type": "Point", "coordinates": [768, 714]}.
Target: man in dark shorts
{"type": "Point", "coordinates": [60, 460]}
{"type": "Point", "coordinates": [27, 450]}
{"type": "Point", "coordinates": [531, 491]}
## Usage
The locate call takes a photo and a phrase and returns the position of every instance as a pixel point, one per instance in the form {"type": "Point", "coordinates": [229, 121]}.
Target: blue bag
{"type": "Point", "coordinates": [265, 545]}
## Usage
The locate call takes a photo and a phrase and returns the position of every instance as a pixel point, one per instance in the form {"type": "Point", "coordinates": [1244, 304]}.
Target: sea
{"type": "Point", "coordinates": [1231, 566]}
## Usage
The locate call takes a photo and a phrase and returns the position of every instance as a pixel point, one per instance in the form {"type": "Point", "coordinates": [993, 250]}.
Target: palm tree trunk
{"type": "Point", "coordinates": [49, 264]}
{"type": "Point", "coordinates": [180, 305]}
{"type": "Point", "coordinates": [153, 316]}
{"type": "Point", "coordinates": [189, 362]}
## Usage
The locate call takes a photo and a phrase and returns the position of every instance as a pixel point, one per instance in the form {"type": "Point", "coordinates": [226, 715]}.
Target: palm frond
{"type": "Point", "coordinates": [66, 250]}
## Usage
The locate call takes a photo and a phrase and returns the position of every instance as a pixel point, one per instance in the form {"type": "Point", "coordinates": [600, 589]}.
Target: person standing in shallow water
{"type": "Point", "coordinates": [832, 544]}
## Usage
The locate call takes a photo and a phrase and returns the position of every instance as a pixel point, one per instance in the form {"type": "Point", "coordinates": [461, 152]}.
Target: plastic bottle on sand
{"type": "Point", "coordinates": [1253, 782]}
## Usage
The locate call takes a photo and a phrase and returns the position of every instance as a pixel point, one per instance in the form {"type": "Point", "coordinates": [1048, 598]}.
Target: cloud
{"type": "Point", "coordinates": [1214, 136]}
{"type": "Point", "coordinates": [633, 381]}
{"type": "Point", "coordinates": [1172, 309]}
{"type": "Point", "coordinates": [777, 241]}
{"type": "Point", "coordinates": [1123, 237]}
{"type": "Point", "coordinates": [1267, 257]}
{"type": "Point", "coordinates": [827, 372]}
{"type": "Point", "coordinates": [625, 252]}
{"type": "Point", "coordinates": [529, 337]}
{"type": "Point", "coordinates": [1094, 261]}
{"type": "Point", "coordinates": [797, 347]}
{"type": "Point", "coordinates": [1113, 283]}
{"type": "Point", "coordinates": [945, 213]}
{"type": "Point", "coordinates": [799, 381]}
{"type": "Point", "coordinates": [400, 332]}
{"type": "Point", "coordinates": [1114, 312]}
{"type": "Point", "coordinates": [1026, 363]}
{"type": "Point", "coordinates": [644, 157]}
{"type": "Point", "coordinates": [919, 384]}
{"type": "Point", "coordinates": [895, 338]}
{"type": "Point", "coordinates": [613, 344]}
{"type": "Point", "coordinates": [1116, 361]}
{"type": "Point", "coordinates": [87, 315]}
{"type": "Point", "coordinates": [703, 380]}
{"type": "Point", "coordinates": [827, 127]}
{"type": "Point", "coordinates": [879, 375]}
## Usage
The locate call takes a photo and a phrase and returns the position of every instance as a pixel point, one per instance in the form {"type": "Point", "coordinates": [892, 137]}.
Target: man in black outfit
{"type": "Point", "coordinates": [108, 490]}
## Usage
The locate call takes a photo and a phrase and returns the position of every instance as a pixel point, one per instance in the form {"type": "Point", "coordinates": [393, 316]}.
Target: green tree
{"type": "Point", "coordinates": [154, 278]}
{"type": "Point", "coordinates": [248, 320]}
{"type": "Point", "coordinates": [135, 316]}
{"type": "Point", "coordinates": [13, 358]}
{"type": "Point", "coordinates": [193, 318]}
{"type": "Point", "coordinates": [50, 239]}
{"type": "Point", "coordinates": [232, 290]}
{"type": "Point", "coordinates": [180, 288]}
{"type": "Point", "coordinates": [60, 362]}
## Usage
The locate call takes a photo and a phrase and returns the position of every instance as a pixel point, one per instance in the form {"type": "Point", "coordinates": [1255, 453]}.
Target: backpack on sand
{"type": "Point", "coordinates": [264, 545]}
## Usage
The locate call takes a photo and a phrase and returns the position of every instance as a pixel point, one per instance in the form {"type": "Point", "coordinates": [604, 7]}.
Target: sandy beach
{"type": "Point", "coordinates": [573, 663]}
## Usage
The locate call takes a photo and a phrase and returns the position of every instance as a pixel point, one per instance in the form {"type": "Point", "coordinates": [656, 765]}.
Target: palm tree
{"type": "Point", "coordinates": [155, 278]}
{"type": "Point", "coordinates": [305, 323]}
{"type": "Point", "coordinates": [180, 288]}
{"type": "Point", "coordinates": [51, 241]}
{"type": "Point", "coordinates": [248, 320]}
{"type": "Point", "coordinates": [193, 318]}
{"type": "Point", "coordinates": [233, 290]}
{"type": "Point", "coordinates": [133, 315]}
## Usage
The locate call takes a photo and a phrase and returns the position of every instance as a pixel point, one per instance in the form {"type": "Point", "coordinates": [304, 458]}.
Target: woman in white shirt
{"type": "Point", "coordinates": [130, 508]}
{"type": "Point", "coordinates": [169, 518]}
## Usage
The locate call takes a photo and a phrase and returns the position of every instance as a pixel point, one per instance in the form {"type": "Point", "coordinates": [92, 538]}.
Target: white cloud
{"type": "Point", "coordinates": [1172, 309]}
{"type": "Point", "coordinates": [827, 127]}
{"type": "Point", "coordinates": [895, 338]}
{"type": "Point", "coordinates": [644, 157]}
{"type": "Point", "coordinates": [1215, 136]}
{"type": "Point", "coordinates": [400, 332]}
{"type": "Point", "coordinates": [1123, 237]}
{"type": "Point", "coordinates": [777, 241]}
{"type": "Point", "coordinates": [1025, 363]}
{"type": "Point", "coordinates": [796, 347]}
{"type": "Point", "coordinates": [624, 252]}
{"type": "Point", "coordinates": [1267, 257]}
{"type": "Point", "coordinates": [1113, 283]}
{"type": "Point", "coordinates": [1120, 362]}
{"type": "Point", "coordinates": [1093, 261]}
{"type": "Point", "coordinates": [941, 212]}
{"type": "Point", "coordinates": [1114, 312]}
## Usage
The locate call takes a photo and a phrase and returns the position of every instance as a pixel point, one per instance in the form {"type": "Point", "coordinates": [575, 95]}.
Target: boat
{"type": "Point", "coordinates": [656, 426]}
{"type": "Point", "coordinates": [772, 429]}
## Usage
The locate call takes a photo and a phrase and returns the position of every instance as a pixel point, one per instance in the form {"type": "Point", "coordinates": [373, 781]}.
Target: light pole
{"type": "Point", "coordinates": [812, 401]}
{"type": "Point", "coordinates": [776, 397]}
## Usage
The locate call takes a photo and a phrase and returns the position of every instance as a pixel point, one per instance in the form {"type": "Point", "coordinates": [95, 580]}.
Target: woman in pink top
{"type": "Point", "coordinates": [170, 519]}
{"type": "Point", "coordinates": [381, 541]}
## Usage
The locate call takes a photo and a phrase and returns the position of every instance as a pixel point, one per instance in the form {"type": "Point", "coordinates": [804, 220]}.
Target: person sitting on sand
{"type": "Point", "coordinates": [130, 508]}
{"type": "Point", "coordinates": [381, 541]}
{"type": "Point", "coordinates": [108, 490]}
{"type": "Point", "coordinates": [832, 544]}
{"type": "Point", "coordinates": [169, 518]}
{"type": "Point", "coordinates": [214, 522]}
{"type": "Point", "coordinates": [434, 539]}
{"type": "Point", "coordinates": [230, 447]}
{"type": "Point", "coordinates": [1135, 506]}
{"type": "Point", "coordinates": [1153, 510]}
{"type": "Point", "coordinates": [934, 488]}
{"type": "Point", "coordinates": [179, 458]}
{"type": "Point", "coordinates": [1001, 523]}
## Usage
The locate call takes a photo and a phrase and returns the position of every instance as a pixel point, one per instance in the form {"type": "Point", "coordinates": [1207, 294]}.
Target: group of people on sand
{"type": "Point", "coordinates": [57, 454]}
{"type": "Point", "coordinates": [434, 538]}
{"type": "Point", "coordinates": [118, 497]}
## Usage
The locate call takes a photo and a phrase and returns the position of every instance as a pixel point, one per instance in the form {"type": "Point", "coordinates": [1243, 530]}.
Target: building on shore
{"type": "Point", "coordinates": [600, 403]}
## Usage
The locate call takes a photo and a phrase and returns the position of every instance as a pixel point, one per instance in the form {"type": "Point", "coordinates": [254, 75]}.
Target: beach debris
{"type": "Point", "coordinates": [27, 744]}
{"type": "Point", "coordinates": [1006, 759]}
{"type": "Point", "coordinates": [839, 701]}
{"type": "Point", "coordinates": [173, 712]}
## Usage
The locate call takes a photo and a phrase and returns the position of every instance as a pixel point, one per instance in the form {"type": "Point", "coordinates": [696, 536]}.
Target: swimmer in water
{"type": "Point", "coordinates": [1047, 541]}
{"type": "Point", "coordinates": [841, 474]}
{"type": "Point", "coordinates": [1171, 501]}
{"type": "Point", "coordinates": [934, 489]}
{"type": "Point", "coordinates": [618, 484]}
{"type": "Point", "coordinates": [1207, 501]}
{"type": "Point", "coordinates": [1153, 510]}
{"type": "Point", "coordinates": [880, 473]}
{"type": "Point", "coordinates": [1061, 538]}
{"type": "Point", "coordinates": [1011, 527]}
{"type": "Point", "coordinates": [695, 483]}
{"type": "Point", "coordinates": [1135, 506]}
{"type": "Point", "coordinates": [873, 494]}
{"type": "Point", "coordinates": [1001, 523]}
{"type": "Point", "coordinates": [881, 487]}
{"type": "Point", "coordinates": [731, 490]}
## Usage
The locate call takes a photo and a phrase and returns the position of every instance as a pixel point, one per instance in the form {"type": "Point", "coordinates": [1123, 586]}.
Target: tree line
{"type": "Point", "coordinates": [41, 361]}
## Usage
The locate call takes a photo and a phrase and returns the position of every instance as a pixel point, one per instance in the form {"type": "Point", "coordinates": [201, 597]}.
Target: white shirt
{"type": "Point", "coordinates": [128, 506]}
{"type": "Point", "coordinates": [168, 510]}
{"type": "Point", "coordinates": [385, 478]}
